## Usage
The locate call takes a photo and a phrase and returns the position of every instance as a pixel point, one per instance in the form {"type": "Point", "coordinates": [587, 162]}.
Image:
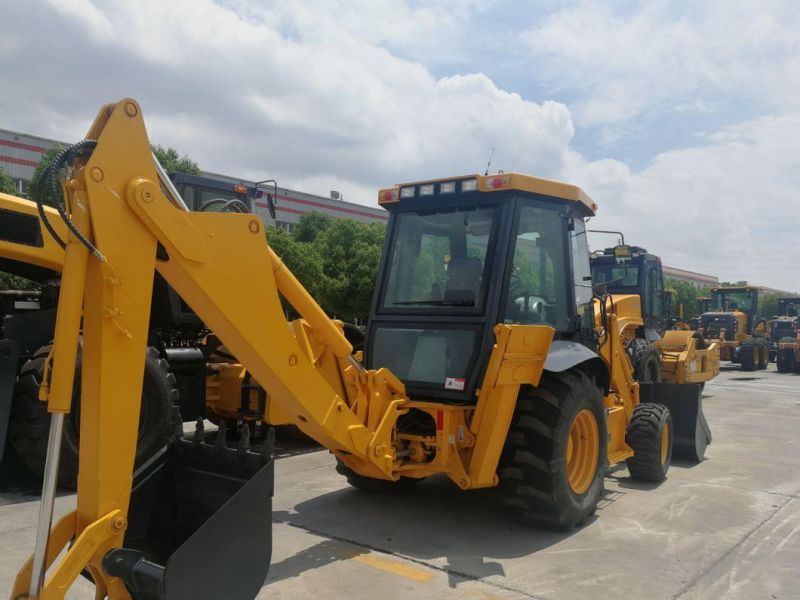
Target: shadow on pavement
{"type": "Point", "coordinates": [436, 521]}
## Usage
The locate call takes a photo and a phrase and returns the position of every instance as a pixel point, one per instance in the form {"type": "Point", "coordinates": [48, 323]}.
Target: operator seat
{"type": "Point", "coordinates": [463, 280]}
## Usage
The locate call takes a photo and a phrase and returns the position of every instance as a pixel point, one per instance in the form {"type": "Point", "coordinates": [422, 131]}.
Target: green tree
{"type": "Point", "coordinates": [311, 225]}
{"type": "Point", "coordinates": [7, 184]}
{"type": "Point", "coordinates": [350, 252]}
{"type": "Point", "coordinates": [174, 162]}
{"type": "Point", "coordinates": [768, 306]}
{"type": "Point", "coordinates": [302, 259]}
{"type": "Point", "coordinates": [684, 295]}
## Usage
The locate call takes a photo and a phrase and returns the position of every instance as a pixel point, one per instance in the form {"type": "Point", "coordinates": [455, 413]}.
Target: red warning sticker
{"type": "Point", "coordinates": [454, 383]}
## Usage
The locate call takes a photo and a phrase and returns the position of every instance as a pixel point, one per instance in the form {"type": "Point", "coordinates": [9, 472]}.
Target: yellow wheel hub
{"type": "Point", "coordinates": [583, 451]}
{"type": "Point", "coordinates": [664, 443]}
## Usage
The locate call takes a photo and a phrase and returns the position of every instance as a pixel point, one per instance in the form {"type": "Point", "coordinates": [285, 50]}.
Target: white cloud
{"type": "Point", "coordinates": [725, 208]}
{"type": "Point", "coordinates": [654, 56]}
{"type": "Point", "coordinates": [342, 96]}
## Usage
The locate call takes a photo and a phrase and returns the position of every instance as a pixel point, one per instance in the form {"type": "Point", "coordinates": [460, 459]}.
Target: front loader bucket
{"type": "Point", "coordinates": [200, 524]}
{"type": "Point", "coordinates": [690, 432]}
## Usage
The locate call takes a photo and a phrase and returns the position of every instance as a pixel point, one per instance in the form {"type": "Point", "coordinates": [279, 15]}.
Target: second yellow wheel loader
{"type": "Point", "coordinates": [657, 352]}
{"type": "Point", "coordinates": [488, 360]}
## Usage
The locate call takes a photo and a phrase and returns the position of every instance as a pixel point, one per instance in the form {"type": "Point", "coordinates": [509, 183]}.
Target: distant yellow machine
{"type": "Point", "coordinates": [658, 353]}
{"type": "Point", "coordinates": [488, 360]}
{"type": "Point", "coordinates": [733, 323]}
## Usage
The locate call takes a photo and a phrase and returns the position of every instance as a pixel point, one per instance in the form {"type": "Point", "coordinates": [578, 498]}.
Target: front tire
{"type": "Point", "coordinates": [748, 355]}
{"type": "Point", "coordinates": [646, 361]}
{"type": "Point", "coordinates": [30, 421]}
{"type": "Point", "coordinates": [552, 467]}
{"type": "Point", "coordinates": [649, 435]}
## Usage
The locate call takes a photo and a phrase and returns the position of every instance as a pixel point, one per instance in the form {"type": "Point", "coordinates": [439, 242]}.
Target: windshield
{"type": "Point", "coordinates": [714, 324]}
{"type": "Point", "coordinates": [729, 301]}
{"type": "Point", "coordinates": [615, 275]}
{"type": "Point", "coordinates": [789, 307]}
{"type": "Point", "coordinates": [439, 259]}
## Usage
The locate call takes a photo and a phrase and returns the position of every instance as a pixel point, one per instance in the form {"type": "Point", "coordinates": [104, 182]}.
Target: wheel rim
{"type": "Point", "coordinates": [664, 443]}
{"type": "Point", "coordinates": [583, 451]}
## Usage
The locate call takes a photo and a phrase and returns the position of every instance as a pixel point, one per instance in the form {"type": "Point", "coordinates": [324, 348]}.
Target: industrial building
{"type": "Point", "coordinates": [696, 280]}
{"type": "Point", "coordinates": [21, 152]}
{"type": "Point", "coordinates": [19, 155]}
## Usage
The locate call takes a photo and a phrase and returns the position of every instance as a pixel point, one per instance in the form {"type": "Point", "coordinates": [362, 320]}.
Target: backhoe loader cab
{"type": "Point", "coordinates": [733, 322]}
{"type": "Point", "coordinates": [632, 270]}
{"type": "Point", "coordinates": [465, 254]}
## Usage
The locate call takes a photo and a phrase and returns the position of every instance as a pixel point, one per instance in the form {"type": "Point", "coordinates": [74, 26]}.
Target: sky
{"type": "Point", "coordinates": [680, 119]}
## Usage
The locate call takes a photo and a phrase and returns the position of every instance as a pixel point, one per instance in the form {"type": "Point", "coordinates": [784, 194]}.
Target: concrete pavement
{"type": "Point", "coordinates": [726, 528]}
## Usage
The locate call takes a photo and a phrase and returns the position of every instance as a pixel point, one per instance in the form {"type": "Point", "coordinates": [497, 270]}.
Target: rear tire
{"type": "Point", "coordinates": [646, 361]}
{"type": "Point", "coordinates": [649, 434]}
{"type": "Point", "coordinates": [552, 467]}
{"type": "Point", "coordinates": [30, 421]}
{"type": "Point", "coordinates": [784, 360]}
{"type": "Point", "coordinates": [371, 485]}
{"type": "Point", "coordinates": [748, 355]}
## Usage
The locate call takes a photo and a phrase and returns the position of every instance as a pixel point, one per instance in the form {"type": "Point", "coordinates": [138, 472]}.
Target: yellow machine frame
{"type": "Point", "coordinates": [223, 267]}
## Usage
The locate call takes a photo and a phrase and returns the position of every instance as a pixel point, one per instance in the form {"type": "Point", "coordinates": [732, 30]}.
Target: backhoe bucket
{"type": "Point", "coordinates": [690, 432]}
{"type": "Point", "coordinates": [200, 523]}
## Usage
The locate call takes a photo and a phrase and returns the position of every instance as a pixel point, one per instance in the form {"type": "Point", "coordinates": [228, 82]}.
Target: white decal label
{"type": "Point", "coordinates": [454, 383]}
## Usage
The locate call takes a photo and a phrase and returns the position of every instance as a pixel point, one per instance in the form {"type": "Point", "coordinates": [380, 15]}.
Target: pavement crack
{"type": "Point", "coordinates": [695, 580]}
{"type": "Point", "coordinates": [417, 561]}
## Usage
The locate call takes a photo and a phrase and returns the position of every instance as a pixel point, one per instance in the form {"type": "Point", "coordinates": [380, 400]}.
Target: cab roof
{"type": "Point", "coordinates": [496, 183]}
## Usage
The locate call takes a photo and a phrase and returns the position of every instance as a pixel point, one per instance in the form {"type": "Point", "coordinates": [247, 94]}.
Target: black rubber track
{"type": "Point", "coordinates": [30, 422]}
{"type": "Point", "coordinates": [532, 470]}
{"type": "Point", "coordinates": [644, 437]}
{"type": "Point", "coordinates": [646, 361]}
{"type": "Point", "coordinates": [748, 357]}
{"type": "Point", "coordinates": [372, 485]}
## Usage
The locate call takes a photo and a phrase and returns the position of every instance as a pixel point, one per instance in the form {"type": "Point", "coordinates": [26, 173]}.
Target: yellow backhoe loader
{"type": "Point", "coordinates": [488, 360]}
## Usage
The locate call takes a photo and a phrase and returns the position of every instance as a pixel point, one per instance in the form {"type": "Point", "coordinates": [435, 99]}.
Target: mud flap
{"type": "Point", "coordinates": [200, 524]}
{"type": "Point", "coordinates": [9, 355]}
{"type": "Point", "coordinates": [691, 433]}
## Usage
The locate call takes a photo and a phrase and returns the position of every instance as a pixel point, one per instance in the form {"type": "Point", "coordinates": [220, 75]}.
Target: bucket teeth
{"type": "Point", "coordinates": [199, 431]}
{"type": "Point", "coordinates": [244, 439]}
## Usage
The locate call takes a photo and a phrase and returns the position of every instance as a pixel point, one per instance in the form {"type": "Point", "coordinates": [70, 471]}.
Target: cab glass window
{"type": "Point", "coordinates": [537, 288]}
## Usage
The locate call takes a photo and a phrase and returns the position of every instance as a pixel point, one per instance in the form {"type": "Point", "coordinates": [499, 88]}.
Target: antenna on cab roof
{"type": "Point", "coordinates": [489, 164]}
